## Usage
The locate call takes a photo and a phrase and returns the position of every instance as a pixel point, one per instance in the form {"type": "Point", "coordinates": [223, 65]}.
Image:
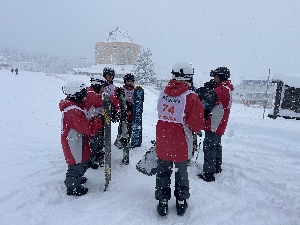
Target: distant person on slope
{"type": "Point", "coordinates": [17, 71]}
{"type": "Point", "coordinates": [128, 91]}
{"type": "Point", "coordinates": [12, 71]}
{"type": "Point", "coordinates": [94, 106]}
{"type": "Point", "coordinates": [75, 132]}
{"type": "Point", "coordinates": [180, 113]}
{"type": "Point", "coordinates": [216, 96]}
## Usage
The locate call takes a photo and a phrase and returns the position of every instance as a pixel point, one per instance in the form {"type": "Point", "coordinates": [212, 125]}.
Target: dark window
{"type": "Point", "coordinates": [291, 99]}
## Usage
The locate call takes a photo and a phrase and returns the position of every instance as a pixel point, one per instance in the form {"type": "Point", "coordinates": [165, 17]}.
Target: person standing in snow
{"type": "Point", "coordinates": [75, 132]}
{"type": "Point", "coordinates": [17, 71]}
{"type": "Point", "coordinates": [94, 106]}
{"type": "Point", "coordinates": [109, 75]}
{"type": "Point", "coordinates": [12, 71]}
{"type": "Point", "coordinates": [128, 91]}
{"type": "Point", "coordinates": [217, 98]}
{"type": "Point", "coordinates": [180, 113]}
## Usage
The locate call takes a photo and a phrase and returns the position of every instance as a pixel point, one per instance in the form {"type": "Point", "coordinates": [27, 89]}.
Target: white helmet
{"type": "Point", "coordinates": [73, 87]}
{"type": "Point", "coordinates": [183, 71]}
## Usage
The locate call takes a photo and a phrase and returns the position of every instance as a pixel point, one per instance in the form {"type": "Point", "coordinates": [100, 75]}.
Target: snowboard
{"type": "Point", "coordinates": [107, 138]}
{"type": "Point", "coordinates": [197, 146]}
{"type": "Point", "coordinates": [124, 137]}
{"type": "Point", "coordinates": [148, 164]}
{"type": "Point", "coordinates": [136, 136]}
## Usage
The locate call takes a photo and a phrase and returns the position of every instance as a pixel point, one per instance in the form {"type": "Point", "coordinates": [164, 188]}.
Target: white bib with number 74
{"type": "Point", "coordinates": [171, 109]}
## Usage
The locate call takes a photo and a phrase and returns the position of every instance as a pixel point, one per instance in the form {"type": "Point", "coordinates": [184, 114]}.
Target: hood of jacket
{"type": "Point", "coordinates": [226, 83]}
{"type": "Point", "coordinates": [64, 103]}
{"type": "Point", "coordinates": [128, 87]}
{"type": "Point", "coordinates": [176, 88]}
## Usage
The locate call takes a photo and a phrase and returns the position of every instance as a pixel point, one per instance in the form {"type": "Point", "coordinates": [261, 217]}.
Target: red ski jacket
{"type": "Point", "coordinates": [75, 132]}
{"type": "Point", "coordinates": [174, 141]}
{"type": "Point", "coordinates": [129, 97]}
{"type": "Point", "coordinates": [94, 104]}
{"type": "Point", "coordinates": [218, 119]}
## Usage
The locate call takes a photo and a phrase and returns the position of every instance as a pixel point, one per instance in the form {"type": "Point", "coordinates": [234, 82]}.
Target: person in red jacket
{"type": "Point", "coordinates": [128, 91]}
{"type": "Point", "coordinates": [75, 133]}
{"type": "Point", "coordinates": [180, 113]}
{"type": "Point", "coordinates": [215, 122]}
{"type": "Point", "coordinates": [94, 106]}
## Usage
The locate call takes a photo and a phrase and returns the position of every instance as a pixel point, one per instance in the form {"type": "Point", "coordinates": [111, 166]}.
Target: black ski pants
{"type": "Point", "coordinates": [163, 180]}
{"type": "Point", "coordinates": [74, 174]}
{"type": "Point", "coordinates": [212, 149]}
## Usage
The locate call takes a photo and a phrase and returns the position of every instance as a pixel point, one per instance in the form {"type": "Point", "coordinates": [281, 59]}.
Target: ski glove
{"type": "Point", "coordinates": [119, 92]}
{"type": "Point", "coordinates": [96, 141]}
{"type": "Point", "coordinates": [115, 115]}
{"type": "Point", "coordinates": [129, 106]}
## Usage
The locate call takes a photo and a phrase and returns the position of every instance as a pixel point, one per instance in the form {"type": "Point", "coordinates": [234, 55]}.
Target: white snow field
{"type": "Point", "coordinates": [259, 183]}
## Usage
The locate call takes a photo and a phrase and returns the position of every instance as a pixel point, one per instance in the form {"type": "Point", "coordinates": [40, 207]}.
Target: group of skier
{"type": "Point", "coordinates": [183, 112]}
{"type": "Point", "coordinates": [82, 133]}
{"type": "Point", "coordinates": [14, 70]}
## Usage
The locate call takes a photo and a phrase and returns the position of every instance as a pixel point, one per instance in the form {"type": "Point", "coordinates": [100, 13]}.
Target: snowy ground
{"type": "Point", "coordinates": [259, 184]}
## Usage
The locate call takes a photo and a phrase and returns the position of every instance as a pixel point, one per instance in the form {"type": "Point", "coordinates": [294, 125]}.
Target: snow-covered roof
{"type": "Point", "coordinates": [255, 82]}
{"type": "Point", "coordinates": [289, 79]}
{"type": "Point", "coordinates": [118, 35]}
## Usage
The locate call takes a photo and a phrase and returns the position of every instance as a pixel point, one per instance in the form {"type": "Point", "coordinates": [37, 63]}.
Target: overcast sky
{"type": "Point", "coordinates": [248, 38]}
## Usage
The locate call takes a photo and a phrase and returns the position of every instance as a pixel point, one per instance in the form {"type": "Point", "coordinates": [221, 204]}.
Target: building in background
{"type": "Point", "coordinates": [118, 52]}
{"type": "Point", "coordinates": [253, 92]}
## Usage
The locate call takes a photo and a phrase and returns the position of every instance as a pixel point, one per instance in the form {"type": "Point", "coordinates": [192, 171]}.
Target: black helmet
{"type": "Point", "coordinates": [108, 70]}
{"type": "Point", "coordinates": [129, 76]}
{"type": "Point", "coordinates": [222, 72]}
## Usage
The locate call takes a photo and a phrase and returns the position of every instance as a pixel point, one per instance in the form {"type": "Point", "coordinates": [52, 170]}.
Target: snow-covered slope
{"type": "Point", "coordinates": [259, 183]}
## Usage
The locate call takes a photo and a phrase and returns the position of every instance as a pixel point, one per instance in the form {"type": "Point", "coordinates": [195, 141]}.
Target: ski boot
{"type": "Point", "coordinates": [162, 207]}
{"type": "Point", "coordinates": [218, 168]}
{"type": "Point", "coordinates": [78, 191]}
{"type": "Point", "coordinates": [83, 180]}
{"type": "Point", "coordinates": [181, 206]}
{"type": "Point", "coordinates": [94, 165]}
{"type": "Point", "coordinates": [208, 177]}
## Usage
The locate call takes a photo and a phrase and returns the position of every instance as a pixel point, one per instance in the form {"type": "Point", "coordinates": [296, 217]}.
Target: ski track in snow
{"type": "Point", "coordinates": [258, 184]}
